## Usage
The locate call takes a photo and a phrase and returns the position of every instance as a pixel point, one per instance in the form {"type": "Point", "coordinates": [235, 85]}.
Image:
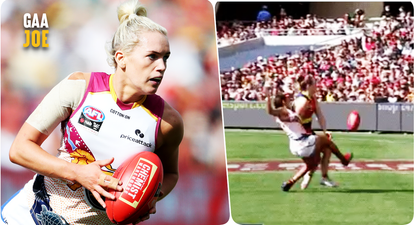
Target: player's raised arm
{"type": "Point", "coordinates": [281, 111]}
{"type": "Point", "coordinates": [269, 108]}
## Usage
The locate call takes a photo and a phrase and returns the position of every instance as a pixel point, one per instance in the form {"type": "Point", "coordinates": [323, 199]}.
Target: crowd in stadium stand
{"type": "Point", "coordinates": [234, 32]}
{"type": "Point", "coordinates": [282, 24]}
{"type": "Point", "coordinates": [375, 68]}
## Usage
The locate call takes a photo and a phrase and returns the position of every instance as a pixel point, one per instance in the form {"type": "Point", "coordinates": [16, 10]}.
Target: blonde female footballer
{"type": "Point", "coordinates": [100, 115]}
{"type": "Point", "coordinates": [301, 143]}
{"type": "Point", "coordinates": [305, 105]}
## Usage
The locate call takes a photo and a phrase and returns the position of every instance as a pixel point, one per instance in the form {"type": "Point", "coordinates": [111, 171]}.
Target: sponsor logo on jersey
{"type": "Point", "coordinates": [138, 182]}
{"type": "Point", "coordinates": [138, 141]}
{"type": "Point", "coordinates": [119, 114]}
{"type": "Point", "coordinates": [92, 118]}
{"type": "Point", "coordinates": [138, 133]}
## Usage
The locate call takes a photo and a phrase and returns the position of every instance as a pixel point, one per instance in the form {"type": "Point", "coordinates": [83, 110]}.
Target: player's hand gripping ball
{"type": "Point", "coordinates": [142, 177]}
{"type": "Point", "coordinates": [353, 121]}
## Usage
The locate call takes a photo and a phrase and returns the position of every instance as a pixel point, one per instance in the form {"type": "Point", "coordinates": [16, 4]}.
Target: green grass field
{"type": "Point", "coordinates": [365, 197]}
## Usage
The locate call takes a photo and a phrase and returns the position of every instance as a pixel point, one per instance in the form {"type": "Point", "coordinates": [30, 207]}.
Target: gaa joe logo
{"type": "Point", "coordinates": [33, 36]}
{"type": "Point", "coordinates": [93, 114]}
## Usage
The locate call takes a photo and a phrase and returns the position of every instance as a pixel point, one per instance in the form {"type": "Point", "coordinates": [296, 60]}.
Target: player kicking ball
{"type": "Point", "coordinates": [305, 106]}
{"type": "Point", "coordinates": [308, 147]}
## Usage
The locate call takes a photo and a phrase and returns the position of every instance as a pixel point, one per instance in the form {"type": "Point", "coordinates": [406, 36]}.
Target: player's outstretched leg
{"type": "Point", "coordinates": [307, 179]}
{"type": "Point", "coordinates": [322, 143]}
{"type": "Point", "coordinates": [324, 169]}
{"type": "Point", "coordinates": [308, 176]}
{"type": "Point", "coordinates": [310, 164]}
{"type": "Point", "coordinates": [326, 147]}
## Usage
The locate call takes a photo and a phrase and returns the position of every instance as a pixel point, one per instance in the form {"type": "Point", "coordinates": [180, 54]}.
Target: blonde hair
{"type": "Point", "coordinates": [133, 22]}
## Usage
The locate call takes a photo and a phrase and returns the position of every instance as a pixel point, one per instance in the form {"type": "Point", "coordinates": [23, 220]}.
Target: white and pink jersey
{"type": "Point", "coordinates": [294, 130]}
{"type": "Point", "coordinates": [101, 127]}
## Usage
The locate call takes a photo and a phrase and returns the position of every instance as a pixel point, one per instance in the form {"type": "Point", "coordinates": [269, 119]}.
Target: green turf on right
{"type": "Point", "coordinates": [363, 198]}
{"type": "Point", "coordinates": [249, 145]}
{"type": "Point", "coordinates": [366, 197]}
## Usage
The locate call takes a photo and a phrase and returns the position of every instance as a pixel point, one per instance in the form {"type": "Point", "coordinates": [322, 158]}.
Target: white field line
{"type": "Point", "coordinates": [381, 138]}
{"type": "Point", "coordinates": [331, 171]}
{"type": "Point", "coordinates": [263, 160]}
{"type": "Point", "coordinates": [359, 134]}
{"type": "Point", "coordinates": [365, 139]}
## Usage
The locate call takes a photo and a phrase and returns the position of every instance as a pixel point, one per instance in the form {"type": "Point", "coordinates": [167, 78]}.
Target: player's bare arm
{"type": "Point", "coordinates": [320, 116]}
{"type": "Point", "coordinates": [29, 139]}
{"type": "Point", "coordinates": [281, 112]}
{"type": "Point", "coordinates": [301, 106]}
{"type": "Point", "coordinates": [170, 136]}
{"type": "Point", "coordinates": [26, 150]}
{"type": "Point", "coordinates": [284, 116]}
{"type": "Point", "coordinates": [269, 105]}
{"type": "Point", "coordinates": [270, 109]}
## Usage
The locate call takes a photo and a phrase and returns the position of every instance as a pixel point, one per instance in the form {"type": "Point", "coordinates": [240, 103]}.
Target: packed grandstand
{"type": "Point", "coordinates": [376, 66]}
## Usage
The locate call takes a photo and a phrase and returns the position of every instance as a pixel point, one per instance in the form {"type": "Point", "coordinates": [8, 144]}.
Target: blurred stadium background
{"type": "Point", "coordinates": [361, 51]}
{"type": "Point", "coordinates": [78, 33]}
{"type": "Point", "coordinates": [362, 57]}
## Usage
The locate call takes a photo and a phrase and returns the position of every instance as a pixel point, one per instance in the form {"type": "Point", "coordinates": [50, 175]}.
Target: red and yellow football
{"type": "Point", "coordinates": [142, 177]}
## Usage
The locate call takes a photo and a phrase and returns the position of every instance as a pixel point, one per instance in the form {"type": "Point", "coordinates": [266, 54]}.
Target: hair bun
{"type": "Point", "coordinates": [129, 10]}
{"type": "Point", "coordinates": [133, 23]}
{"type": "Point", "coordinates": [300, 78]}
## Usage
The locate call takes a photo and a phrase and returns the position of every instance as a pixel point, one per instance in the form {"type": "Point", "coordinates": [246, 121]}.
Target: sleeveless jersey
{"type": "Point", "coordinates": [101, 127]}
{"type": "Point", "coordinates": [294, 130]}
{"type": "Point", "coordinates": [307, 121]}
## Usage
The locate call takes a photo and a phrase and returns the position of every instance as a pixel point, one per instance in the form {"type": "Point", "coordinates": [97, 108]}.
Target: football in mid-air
{"type": "Point", "coordinates": [142, 177]}
{"type": "Point", "coordinates": [353, 121]}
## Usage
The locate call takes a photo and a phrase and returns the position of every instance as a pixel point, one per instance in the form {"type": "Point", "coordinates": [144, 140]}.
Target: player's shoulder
{"type": "Point", "coordinates": [171, 126]}
{"type": "Point", "coordinates": [281, 110]}
{"type": "Point", "coordinates": [301, 99]}
{"type": "Point", "coordinates": [305, 95]}
{"type": "Point", "coordinates": [79, 76]}
{"type": "Point", "coordinates": [172, 117]}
